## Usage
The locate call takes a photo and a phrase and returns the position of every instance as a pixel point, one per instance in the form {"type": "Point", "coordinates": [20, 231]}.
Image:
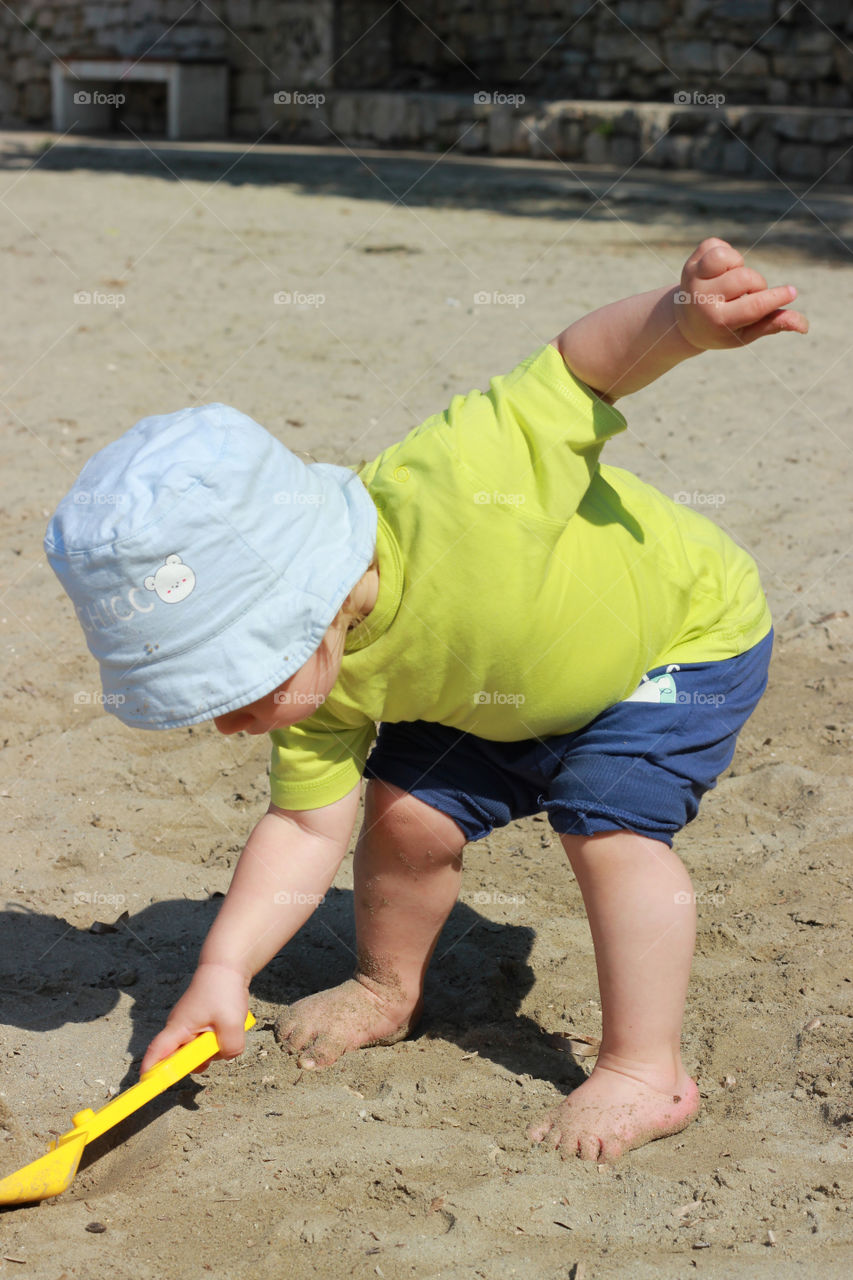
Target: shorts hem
{"type": "Point", "coordinates": [457, 805]}
{"type": "Point", "coordinates": [580, 822]}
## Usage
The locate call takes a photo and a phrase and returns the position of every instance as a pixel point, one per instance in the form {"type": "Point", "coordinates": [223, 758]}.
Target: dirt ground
{"type": "Point", "coordinates": [411, 1161]}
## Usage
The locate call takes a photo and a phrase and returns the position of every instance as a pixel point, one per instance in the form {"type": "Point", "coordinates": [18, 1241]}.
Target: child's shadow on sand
{"type": "Point", "coordinates": [53, 973]}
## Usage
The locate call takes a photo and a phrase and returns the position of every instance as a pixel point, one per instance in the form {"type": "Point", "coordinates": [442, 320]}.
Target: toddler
{"type": "Point", "coordinates": [529, 629]}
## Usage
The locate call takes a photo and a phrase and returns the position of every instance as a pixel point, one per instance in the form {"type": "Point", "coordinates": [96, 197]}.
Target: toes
{"type": "Point", "coordinates": [319, 1054]}
{"type": "Point", "coordinates": [589, 1147]}
{"type": "Point", "coordinates": [284, 1026]}
{"type": "Point", "coordinates": [537, 1132]}
{"type": "Point", "coordinates": [295, 1038]}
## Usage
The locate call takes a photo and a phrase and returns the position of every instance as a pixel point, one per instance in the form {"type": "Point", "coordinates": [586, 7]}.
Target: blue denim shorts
{"type": "Point", "coordinates": [642, 765]}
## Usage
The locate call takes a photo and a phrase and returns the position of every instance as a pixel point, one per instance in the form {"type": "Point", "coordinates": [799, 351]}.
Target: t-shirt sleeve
{"type": "Point", "coordinates": [317, 761]}
{"type": "Point", "coordinates": [537, 428]}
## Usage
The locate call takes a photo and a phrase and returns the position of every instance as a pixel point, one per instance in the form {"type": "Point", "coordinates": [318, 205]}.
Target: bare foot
{"type": "Point", "coordinates": [352, 1016]}
{"type": "Point", "coordinates": [611, 1113]}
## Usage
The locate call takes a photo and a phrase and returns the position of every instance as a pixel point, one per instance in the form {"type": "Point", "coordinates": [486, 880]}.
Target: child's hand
{"type": "Point", "coordinates": [722, 303]}
{"type": "Point", "coordinates": [217, 1000]}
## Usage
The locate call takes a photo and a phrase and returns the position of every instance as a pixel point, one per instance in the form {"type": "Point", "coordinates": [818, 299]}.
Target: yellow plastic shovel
{"type": "Point", "coordinates": [52, 1174]}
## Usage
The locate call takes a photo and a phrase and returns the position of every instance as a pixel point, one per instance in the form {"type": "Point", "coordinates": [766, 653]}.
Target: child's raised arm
{"type": "Point", "coordinates": [720, 303]}
{"type": "Point", "coordinates": [289, 861]}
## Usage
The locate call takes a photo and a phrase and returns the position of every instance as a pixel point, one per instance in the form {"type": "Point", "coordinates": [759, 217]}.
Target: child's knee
{"type": "Point", "coordinates": [405, 827]}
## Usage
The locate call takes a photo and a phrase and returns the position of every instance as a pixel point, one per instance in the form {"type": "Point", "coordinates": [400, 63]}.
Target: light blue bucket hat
{"type": "Point", "coordinates": [205, 562]}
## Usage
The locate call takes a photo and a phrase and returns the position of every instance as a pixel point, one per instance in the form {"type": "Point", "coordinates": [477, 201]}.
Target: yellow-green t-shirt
{"type": "Point", "coordinates": [524, 587]}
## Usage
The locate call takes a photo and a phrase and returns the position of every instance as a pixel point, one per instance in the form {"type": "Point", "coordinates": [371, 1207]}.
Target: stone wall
{"type": "Point", "coordinates": [760, 142]}
{"type": "Point", "coordinates": [732, 86]}
{"type": "Point", "coordinates": [269, 45]}
{"type": "Point", "coordinates": [752, 51]}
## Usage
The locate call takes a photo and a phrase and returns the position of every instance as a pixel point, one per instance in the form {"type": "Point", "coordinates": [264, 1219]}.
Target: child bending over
{"type": "Point", "coordinates": [530, 630]}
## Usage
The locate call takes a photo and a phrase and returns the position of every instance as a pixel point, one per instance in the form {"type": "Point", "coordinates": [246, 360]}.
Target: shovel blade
{"type": "Point", "coordinates": [48, 1176]}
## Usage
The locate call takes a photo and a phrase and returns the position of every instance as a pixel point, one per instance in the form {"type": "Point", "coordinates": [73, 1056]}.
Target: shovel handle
{"type": "Point", "coordinates": [179, 1064]}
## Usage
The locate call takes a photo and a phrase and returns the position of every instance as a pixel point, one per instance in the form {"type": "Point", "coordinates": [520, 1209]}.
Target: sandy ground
{"type": "Point", "coordinates": [411, 1160]}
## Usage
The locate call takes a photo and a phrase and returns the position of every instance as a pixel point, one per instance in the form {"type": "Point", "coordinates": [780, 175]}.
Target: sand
{"type": "Point", "coordinates": [411, 1160]}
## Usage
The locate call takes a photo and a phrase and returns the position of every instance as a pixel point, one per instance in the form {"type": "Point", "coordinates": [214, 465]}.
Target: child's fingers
{"type": "Point", "coordinates": [231, 1037]}
{"type": "Point", "coordinates": [753, 307]}
{"type": "Point", "coordinates": [776, 322]}
{"type": "Point", "coordinates": [712, 258]}
{"type": "Point", "coordinates": [701, 249]}
{"type": "Point", "coordinates": [737, 282]}
{"type": "Point", "coordinates": [166, 1042]}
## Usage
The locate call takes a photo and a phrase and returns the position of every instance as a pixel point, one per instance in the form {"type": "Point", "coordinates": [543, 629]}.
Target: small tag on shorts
{"type": "Point", "coordinates": [657, 688]}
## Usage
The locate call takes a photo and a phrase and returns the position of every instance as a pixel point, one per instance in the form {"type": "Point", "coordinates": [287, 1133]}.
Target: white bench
{"type": "Point", "coordinates": [197, 98]}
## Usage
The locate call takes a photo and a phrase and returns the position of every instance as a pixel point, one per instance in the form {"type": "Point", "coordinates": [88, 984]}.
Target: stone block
{"type": "Point", "coordinates": [689, 120]}
{"type": "Point", "coordinates": [815, 39]}
{"type": "Point", "coordinates": [499, 132]}
{"type": "Point", "coordinates": [735, 157]}
{"type": "Point", "coordinates": [791, 67]}
{"type": "Point", "coordinates": [681, 147]}
{"type": "Point", "coordinates": [549, 129]}
{"type": "Point", "coordinates": [765, 146]}
{"type": "Point", "coordinates": [708, 154]}
{"type": "Point", "coordinates": [342, 114]}
{"type": "Point", "coordinates": [796, 126]}
{"type": "Point", "coordinates": [621, 46]}
{"type": "Point", "coordinates": [385, 109]}
{"type": "Point", "coordinates": [837, 164]}
{"type": "Point", "coordinates": [244, 124]}
{"type": "Point", "coordinates": [693, 10]}
{"type": "Point", "coordinates": [24, 70]}
{"type": "Point", "coordinates": [688, 57]}
{"type": "Point", "coordinates": [248, 88]}
{"type": "Point", "coordinates": [826, 129]}
{"type": "Point", "coordinates": [596, 148]}
{"type": "Point", "coordinates": [649, 14]}
{"type": "Point", "coordinates": [731, 59]}
{"type": "Point", "coordinates": [35, 106]}
{"type": "Point", "coordinates": [624, 150]}
{"type": "Point", "coordinates": [571, 139]}
{"type": "Point", "coordinates": [801, 160]}
{"type": "Point", "coordinates": [472, 139]}
{"type": "Point", "coordinates": [745, 11]}
{"type": "Point", "coordinates": [832, 12]}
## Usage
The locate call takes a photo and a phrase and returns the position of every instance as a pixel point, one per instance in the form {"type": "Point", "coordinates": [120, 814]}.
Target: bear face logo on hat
{"type": "Point", "coordinates": [173, 581]}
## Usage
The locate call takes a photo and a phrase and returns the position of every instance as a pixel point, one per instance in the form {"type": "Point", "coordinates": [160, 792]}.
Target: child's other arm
{"type": "Point", "coordinates": [289, 861]}
{"type": "Point", "coordinates": [719, 303]}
